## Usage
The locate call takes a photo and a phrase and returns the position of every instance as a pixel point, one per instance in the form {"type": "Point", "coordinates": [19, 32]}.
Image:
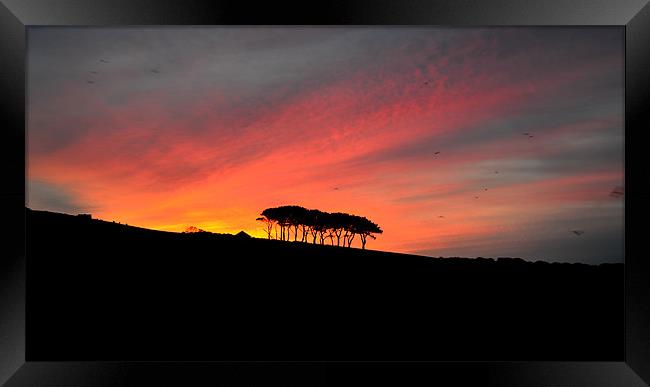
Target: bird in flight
{"type": "Point", "coordinates": [441, 216]}
{"type": "Point", "coordinates": [617, 192]}
{"type": "Point", "coordinates": [89, 81]}
{"type": "Point", "coordinates": [336, 188]}
{"type": "Point", "coordinates": [485, 189]}
{"type": "Point", "coordinates": [496, 171]}
{"type": "Point", "coordinates": [578, 232]}
{"type": "Point", "coordinates": [155, 71]}
{"type": "Point", "coordinates": [103, 60]}
{"type": "Point", "coordinates": [475, 197]}
{"type": "Point", "coordinates": [436, 153]}
{"type": "Point", "coordinates": [93, 72]}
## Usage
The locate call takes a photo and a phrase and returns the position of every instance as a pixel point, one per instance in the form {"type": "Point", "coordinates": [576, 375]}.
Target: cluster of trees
{"type": "Point", "coordinates": [192, 230]}
{"type": "Point", "coordinates": [286, 221]}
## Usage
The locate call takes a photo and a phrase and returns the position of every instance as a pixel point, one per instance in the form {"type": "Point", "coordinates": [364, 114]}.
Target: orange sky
{"type": "Point", "coordinates": [166, 128]}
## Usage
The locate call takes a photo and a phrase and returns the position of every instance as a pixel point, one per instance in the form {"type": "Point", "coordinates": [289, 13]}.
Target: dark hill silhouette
{"type": "Point", "coordinates": [100, 290]}
{"type": "Point", "coordinates": [243, 235]}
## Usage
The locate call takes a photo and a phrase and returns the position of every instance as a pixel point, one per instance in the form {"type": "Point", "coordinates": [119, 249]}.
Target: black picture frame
{"type": "Point", "coordinates": [17, 15]}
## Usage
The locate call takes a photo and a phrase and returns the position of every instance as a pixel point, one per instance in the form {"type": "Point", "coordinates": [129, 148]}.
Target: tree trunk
{"type": "Point", "coordinates": [338, 236]}
{"type": "Point", "coordinates": [350, 240]}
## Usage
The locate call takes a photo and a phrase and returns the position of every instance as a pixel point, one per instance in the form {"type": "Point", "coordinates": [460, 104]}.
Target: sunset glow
{"type": "Point", "coordinates": [167, 128]}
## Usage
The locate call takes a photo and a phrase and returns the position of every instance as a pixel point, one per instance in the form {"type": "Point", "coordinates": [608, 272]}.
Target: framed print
{"type": "Point", "coordinates": [200, 193]}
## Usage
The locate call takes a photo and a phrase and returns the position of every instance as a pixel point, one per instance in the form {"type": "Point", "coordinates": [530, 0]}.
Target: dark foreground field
{"type": "Point", "coordinates": [105, 291]}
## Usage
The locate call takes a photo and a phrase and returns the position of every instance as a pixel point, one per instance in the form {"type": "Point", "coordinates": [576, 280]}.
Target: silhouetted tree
{"type": "Point", "coordinates": [349, 228]}
{"type": "Point", "coordinates": [349, 236]}
{"type": "Point", "coordinates": [365, 228]}
{"type": "Point", "coordinates": [295, 217]}
{"type": "Point", "coordinates": [268, 224]}
{"type": "Point", "coordinates": [328, 227]}
{"type": "Point", "coordinates": [336, 225]}
{"type": "Point", "coordinates": [321, 226]}
{"type": "Point", "coordinates": [313, 219]}
{"type": "Point", "coordinates": [278, 216]}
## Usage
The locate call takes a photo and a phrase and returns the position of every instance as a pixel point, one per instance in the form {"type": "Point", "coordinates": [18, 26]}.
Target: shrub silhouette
{"type": "Point", "coordinates": [318, 224]}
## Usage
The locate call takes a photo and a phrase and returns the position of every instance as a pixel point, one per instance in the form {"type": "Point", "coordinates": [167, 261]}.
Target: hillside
{"type": "Point", "coordinates": [98, 290]}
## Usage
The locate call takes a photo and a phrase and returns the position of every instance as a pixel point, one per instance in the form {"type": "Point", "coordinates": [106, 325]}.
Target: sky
{"type": "Point", "coordinates": [458, 142]}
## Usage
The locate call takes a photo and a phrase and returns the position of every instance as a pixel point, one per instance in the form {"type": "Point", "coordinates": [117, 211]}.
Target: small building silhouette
{"type": "Point", "coordinates": [84, 216]}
